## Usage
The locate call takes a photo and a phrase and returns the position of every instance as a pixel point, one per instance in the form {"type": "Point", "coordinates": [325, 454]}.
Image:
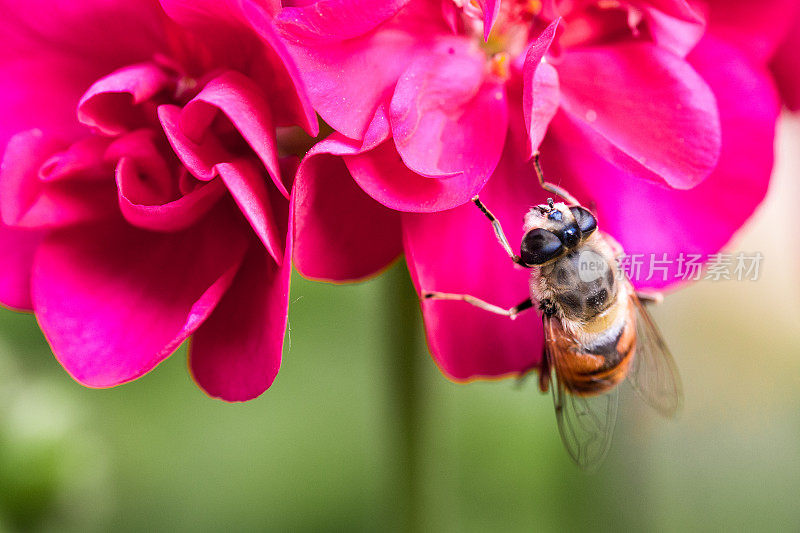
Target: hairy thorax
{"type": "Point", "coordinates": [584, 289]}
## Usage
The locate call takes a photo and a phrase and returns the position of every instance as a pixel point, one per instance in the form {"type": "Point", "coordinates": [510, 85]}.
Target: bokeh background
{"type": "Point", "coordinates": [361, 431]}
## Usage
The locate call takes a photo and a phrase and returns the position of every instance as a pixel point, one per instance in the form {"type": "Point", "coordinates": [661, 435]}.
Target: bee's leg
{"type": "Point", "coordinates": [544, 373]}
{"type": "Point", "coordinates": [477, 302]}
{"type": "Point", "coordinates": [498, 231]}
{"type": "Point", "coordinates": [551, 187]}
{"type": "Point", "coordinates": [650, 297]}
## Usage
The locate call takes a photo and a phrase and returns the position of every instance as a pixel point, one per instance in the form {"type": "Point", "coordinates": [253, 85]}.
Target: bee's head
{"type": "Point", "coordinates": [552, 229]}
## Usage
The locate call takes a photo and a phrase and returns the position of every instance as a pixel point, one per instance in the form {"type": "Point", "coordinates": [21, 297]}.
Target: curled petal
{"type": "Point", "coordinates": [110, 312]}
{"type": "Point", "coordinates": [446, 118]}
{"type": "Point", "coordinates": [140, 208]}
{"type": "Point", "coordinates": [244, 105]}
{"type": "Point", "coordinates": [650, 111]}
{"type": "Point", "coordinates": [120, 101]}
{"type": "Point", "coordinates": [198, 158]}
{"type": "Point", "coordinates": [341, 233]}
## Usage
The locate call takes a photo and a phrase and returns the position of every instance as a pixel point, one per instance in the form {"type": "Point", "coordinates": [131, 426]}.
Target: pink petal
{"type": "Point", "coordinates": [757, 29]}
{"type": "Point", "coordinates": [199, 159]}
{"type": "Point", "coordinates": [120, 102]}
{"type": "Point", "coordinates": [700, 220]}
{"type": "Point", "coordinates": [348, 78]}
{"type": "Point", "coordinates": [456, 251]}
{"type": "Point", "coordinates": [114, 301]}
{"type": "Point", "coordinates": [381, 174]}
{"type": "Point", "coordinates": [156, 167]}
{"type": "Point", "coordinates": [17, 248]}
{"type": "Point", "coordinates": [248, 187]}
{"type": "Point", "coordinates": [247, 26]}
{"type": "Point", "coordinates": [204, 14]}
{"type": "Point", "coordinates": [540, 96]}
{"type": "Point", "coordinates": [651, 112]}
{"type": "Point", "coordinates": [336, 20]}
{"type": "Point", "coordinates": [103, 33]}
{"type": "Point", "coordinates": [281, 80]}
{"type": "Point", "coordinates": [681, 9]}
{"type": "Point", "coordinates": [490, 8]}
{"type": "Point", "coordinates": [79, 161]}
{"type": "Point", "coordinates": [27, 82]}
{"type": "Point", "coordinates": [19, 172]}
{"type": "Point", "coordinates": [341, 234]}
{"type": "Point", "coordinates": [235, 355]}
{"type": "Point", "coordinates": [446, 118]}
{"type": "Point", "coordinates": [786, 66]}
{"type": "Point", "coordinates": [54, 49]}
{"type": "Point", "coordinates": [244, 105]}
{"type": "Point", "coordinates": [677, 35]}
{"type": "Point", "coordinates": [27, 202]}
{"type": "Point", "coordinates": [139, 208]}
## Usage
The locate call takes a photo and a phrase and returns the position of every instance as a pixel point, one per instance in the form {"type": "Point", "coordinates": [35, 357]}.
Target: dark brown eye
{"type": "Point", "coordinates": [540, 246]}
{"type": "Point", "coordinates": [586, 221]}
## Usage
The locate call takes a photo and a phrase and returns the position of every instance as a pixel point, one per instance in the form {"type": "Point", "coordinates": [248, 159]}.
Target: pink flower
{"type": "Point", "coordinates": [768, 33]}
{"type": "Point", "coordinates": [415, 91]}
{"type": "Point", "coordinates": [612, 105]}
{"type": "Point", "coordinates": [162, 210]}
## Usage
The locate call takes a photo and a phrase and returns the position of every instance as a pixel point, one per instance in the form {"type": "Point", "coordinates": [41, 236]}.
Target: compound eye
{"type": "Point", "coordinates": [586, 221]}
{"type": "Point", "coordinates": [540, 246]}
{"type": "Point", "coordinates": [570, 236]}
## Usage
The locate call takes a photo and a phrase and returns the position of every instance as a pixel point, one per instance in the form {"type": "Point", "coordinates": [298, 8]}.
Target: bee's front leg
{"type": "Point", "coordinates": [498, 231]}
{"type": "Point", "coordinates": [511, 312]}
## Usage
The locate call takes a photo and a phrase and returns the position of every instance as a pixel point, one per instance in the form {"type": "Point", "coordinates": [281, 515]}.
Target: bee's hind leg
{"type": "Point", "coordinates": [511, 312]}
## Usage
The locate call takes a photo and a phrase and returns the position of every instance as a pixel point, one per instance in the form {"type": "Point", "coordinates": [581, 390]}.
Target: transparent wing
{"type": "Point", "coordinates": [653, 373]}
{"type": "Point", "coordinates": [586, 423]}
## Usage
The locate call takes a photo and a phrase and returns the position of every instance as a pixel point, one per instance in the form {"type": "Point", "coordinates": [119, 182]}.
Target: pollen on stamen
{"type": "Point", "coordinates": [533, 7]}
{"type": "Point", "coordinates": [500, 65]}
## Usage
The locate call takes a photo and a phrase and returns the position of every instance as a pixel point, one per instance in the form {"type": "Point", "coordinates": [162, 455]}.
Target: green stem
{"type": "Point", "coordinates": [402, 343]}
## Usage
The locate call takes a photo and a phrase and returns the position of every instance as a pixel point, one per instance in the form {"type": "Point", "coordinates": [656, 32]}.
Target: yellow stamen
{"type": "Point", "coordinates": [500, 65]}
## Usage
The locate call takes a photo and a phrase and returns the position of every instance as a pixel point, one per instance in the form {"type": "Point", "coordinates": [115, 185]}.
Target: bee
{"type": "Point", "coordinates": [597, 331]}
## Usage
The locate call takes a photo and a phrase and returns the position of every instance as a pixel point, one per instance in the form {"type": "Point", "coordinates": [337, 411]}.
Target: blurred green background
{"type": "Point", "coordinates": [361, 432]}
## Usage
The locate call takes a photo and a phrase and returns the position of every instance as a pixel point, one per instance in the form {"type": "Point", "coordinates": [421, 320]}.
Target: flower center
{"type": "Point", "coordinates": [518, 22]}
{"type": "Point", "coordinates": [510, 33]}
